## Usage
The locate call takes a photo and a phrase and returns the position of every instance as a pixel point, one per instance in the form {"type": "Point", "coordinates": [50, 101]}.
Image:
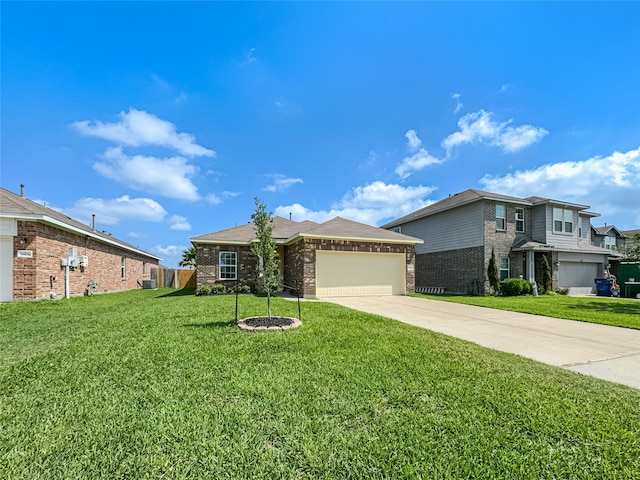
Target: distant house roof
{"type": "Point", "coordinates": [472, 195]}
{"type": "Point", "coordinates": [21, 208]}
{"type": "Point", "coordinates": [608, 228]}
{"type": "Point", "coordinates": [286, 231]}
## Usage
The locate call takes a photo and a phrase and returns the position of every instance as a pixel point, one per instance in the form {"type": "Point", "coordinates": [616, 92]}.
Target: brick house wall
{"type": "Point", "coordinates": [35, 278]}
{"type": "Point", "coordinates": [299, 260]}
{"type": "Point", "coordinates": [208, 262]}
{"type": "Point", "coordinates": [458, 271]}
{"type": "Point", "coordinates": [465, 270]}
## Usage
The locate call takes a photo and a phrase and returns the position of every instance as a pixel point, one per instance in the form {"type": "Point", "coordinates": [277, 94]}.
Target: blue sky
{"type": "Point", "coordinates": [167, 119]}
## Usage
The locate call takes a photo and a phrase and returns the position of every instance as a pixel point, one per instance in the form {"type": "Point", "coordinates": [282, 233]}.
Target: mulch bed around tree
{"type": "Point", "coordinates": [266, 323]}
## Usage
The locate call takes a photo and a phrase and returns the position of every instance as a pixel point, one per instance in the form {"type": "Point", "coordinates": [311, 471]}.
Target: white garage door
{"type": "Point", "coordinates": [6, 269]}
{"type": "Point", "coordinates": [578, 274]}
{"type": "Point", "coordinates": [356, 274]}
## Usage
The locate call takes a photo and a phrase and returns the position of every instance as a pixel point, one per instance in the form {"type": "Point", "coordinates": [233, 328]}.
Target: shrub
{"type": "Point", "coordinates": [563, 291]}
{"type": "Point", "coordinates": [243, 289]}
{"type": "Point", "coordinates": [203, 290]}
{"type": "Point", "coordinates": [219, 289]}
{"type": "Point", "coordinates": [515, 286]}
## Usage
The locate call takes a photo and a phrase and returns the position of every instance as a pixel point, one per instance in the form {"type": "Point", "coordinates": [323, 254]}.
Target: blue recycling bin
{"type": "Point", "coordinates": [603, 287]}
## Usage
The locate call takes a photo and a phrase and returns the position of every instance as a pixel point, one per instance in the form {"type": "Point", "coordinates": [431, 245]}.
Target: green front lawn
{"type": "Point", "coordinates": [619, 312]}
{"type": "Point", "coordinates": [154, 384]}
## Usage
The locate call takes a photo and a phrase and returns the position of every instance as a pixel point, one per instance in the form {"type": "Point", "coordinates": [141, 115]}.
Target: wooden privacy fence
{"type": "Point", "coordinates": [174, 278]}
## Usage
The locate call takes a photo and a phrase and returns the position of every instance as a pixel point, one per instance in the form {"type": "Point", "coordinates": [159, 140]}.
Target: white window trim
{"type": "Point", "coordinates": [503, 218]}
{"type": "Point", "coordinates": [220, 265]}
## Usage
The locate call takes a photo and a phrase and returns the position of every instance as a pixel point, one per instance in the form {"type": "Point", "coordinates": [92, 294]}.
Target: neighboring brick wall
{"type": "Point", "coordinates": [458, 271]}
{"type": "Point", "coordinates": [502, 241]}
{"type": "Point", "coordinates": [208, 265]}
{"type": "Point", "coordinates": [33, 277]}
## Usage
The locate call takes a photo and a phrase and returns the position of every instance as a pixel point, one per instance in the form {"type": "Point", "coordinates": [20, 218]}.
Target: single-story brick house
{"type": "Point", "coordinates": [36, 240]}
{"type": "Point", "coordinates": [337, 257]}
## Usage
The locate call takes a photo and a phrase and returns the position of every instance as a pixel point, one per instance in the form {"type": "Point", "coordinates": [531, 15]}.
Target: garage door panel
{"type": "Point", "coordinates": [358, 273]}
{"type": "Point", "coordinates": [578, 274]}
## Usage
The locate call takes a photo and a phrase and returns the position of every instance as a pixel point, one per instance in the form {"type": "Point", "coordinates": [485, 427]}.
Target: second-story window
{"type": "Point", "coordinates": [562, 220]}
{"type": "Point", "coordinates": [610, 243]}
{"type": "Point", "coordinates": [501, 217]}
{"type": "Point", "coordinates": [519, 220]}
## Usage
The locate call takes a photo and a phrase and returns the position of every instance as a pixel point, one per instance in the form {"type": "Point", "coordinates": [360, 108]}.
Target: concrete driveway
{"type": "Point", "coordinates": [610, 353]}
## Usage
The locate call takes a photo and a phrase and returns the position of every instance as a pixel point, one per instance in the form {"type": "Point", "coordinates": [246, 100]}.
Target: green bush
{"type": "Point", "coordinates": [515, 286]}
{"type": "Point", "coordinates": [219, 289]}
{"type": "Point", "coordinates": [243, 289]}
{"type": "Point", "coordinates": [203, 290]}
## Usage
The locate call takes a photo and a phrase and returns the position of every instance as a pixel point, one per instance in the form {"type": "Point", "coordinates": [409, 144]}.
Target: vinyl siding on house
{"type": "Point", "coordinates": [538, 224]}
{"type": "Point", "coordinates": [567, 240]}
{"type": "Point", "coordinates": [450, 230]}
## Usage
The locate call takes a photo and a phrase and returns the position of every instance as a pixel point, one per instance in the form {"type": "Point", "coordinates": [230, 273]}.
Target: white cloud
{"type": "Point", "coordinates": [420, 159]}
{"type": "Point", "coordinates": [370, 204]}
{"type": "Point", "coordinates": [479, 127]}
{"type": "Point", "coordinates": [213, 199]}
{"type": "Point", "coordinates": [169, 177]}
{"type": "Point", "coordinates": [280, 182]}
{"type": "Point", "coordinates": [114, 211]}
{"type": "Point", "coordinates": [171, 254]}
{"type": "Point", "coordinates": [139, 128]}
{"type": "Point", "coordinates": [413, 142]}
{"type": "Point", "coordinates": [179, 222]}
{"type": "Point", "coordinates": [608, 184]}
{"type": "Point", "coordinates": [136, 235]}
{"type": "Point", "coordinates": [456, 97]}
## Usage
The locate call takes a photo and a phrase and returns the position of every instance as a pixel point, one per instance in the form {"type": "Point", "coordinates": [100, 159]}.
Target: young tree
{"type": "Point", "coordinates": [492, 273]}
{"type": "Point", "coordinates": [546, 274]}
{"type": "Point", "coordinates": [188, 257]}
{"type": "Point", "coordinates": [265, 249]}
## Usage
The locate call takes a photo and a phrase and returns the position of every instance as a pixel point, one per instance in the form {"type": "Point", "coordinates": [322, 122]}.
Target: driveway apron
{"type": "Point", "coordinates": [602, 351]}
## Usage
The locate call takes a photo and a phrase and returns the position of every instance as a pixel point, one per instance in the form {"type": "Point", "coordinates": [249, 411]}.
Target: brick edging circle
{"type": "Point", "coordinates": [242, 324]}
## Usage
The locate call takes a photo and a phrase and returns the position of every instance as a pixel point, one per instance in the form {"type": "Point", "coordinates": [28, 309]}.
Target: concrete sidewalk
{"type": "Point", "coordinates": [610, 353]}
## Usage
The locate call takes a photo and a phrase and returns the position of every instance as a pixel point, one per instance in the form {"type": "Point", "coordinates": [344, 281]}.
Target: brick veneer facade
{"type": "Point", "coordinates": [36, 277]}
{"type": "Point", "coordinates": [299, 260]}
{"type": "Point", "coordinates": [208, 262]}
{"type": "Point", "coordinates": [465, 270]}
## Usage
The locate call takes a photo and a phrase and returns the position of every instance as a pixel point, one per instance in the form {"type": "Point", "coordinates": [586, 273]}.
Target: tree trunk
{"type": "Point", "coordinates": [269, 304]}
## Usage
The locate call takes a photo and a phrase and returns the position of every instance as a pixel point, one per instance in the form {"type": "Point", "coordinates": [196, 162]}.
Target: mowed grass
{"type": "Point", "coordinates": [154, 384]}
{"type": "Point", "coordinates": [618, 312]}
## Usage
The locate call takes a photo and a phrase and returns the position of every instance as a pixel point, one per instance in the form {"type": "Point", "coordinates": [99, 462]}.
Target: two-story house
{"type": "Point", "coordinates": [608, 237]}
{"type": "Point", "coordinates": [462, 230]}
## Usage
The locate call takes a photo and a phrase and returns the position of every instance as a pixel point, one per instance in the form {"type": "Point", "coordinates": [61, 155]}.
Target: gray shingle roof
{"type": "Point", "coordinates": [472, 195]}
{"type": "Point", "coordinates": [21, 208]}
{"type": "Point", "coordinates": [285, 231]}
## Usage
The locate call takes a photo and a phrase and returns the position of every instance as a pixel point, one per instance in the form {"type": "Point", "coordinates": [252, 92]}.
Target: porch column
{"type": "Point", "coordinates": [531, 266]}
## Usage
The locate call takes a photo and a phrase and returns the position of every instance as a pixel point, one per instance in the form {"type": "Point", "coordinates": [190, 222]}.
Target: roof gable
{"type": "Point", "coordinates": [287, 231]}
